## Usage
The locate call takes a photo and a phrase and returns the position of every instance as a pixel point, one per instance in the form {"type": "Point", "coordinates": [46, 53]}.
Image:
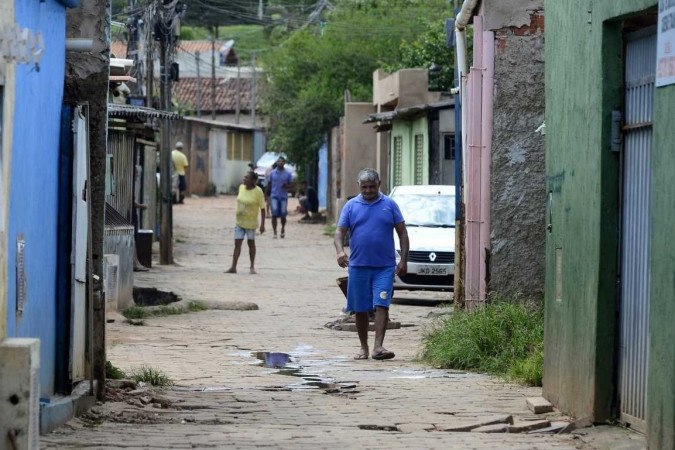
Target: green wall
{"type": "Point", "coordinates": [661, 381]}
{"type": "Point", "coordinates": [583, 84]}
{"type": "Point", "coordinates": [407, 129]}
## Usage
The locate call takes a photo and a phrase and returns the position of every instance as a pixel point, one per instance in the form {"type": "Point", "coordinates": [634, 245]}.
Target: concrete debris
{"type": "Point", "coordinates": [555, 427]}
{"type": "Point", "coordinates": [488, 421]}
{"type": "Point", "coordinates": [523, 427]}
{"type": "Point", "coordinates": [496, 428]}
{"type": "Point", "coordinates": [538, 405]}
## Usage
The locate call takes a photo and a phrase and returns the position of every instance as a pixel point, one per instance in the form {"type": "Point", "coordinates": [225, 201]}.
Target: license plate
{"type": "Point", "coordinates": [432, 270]}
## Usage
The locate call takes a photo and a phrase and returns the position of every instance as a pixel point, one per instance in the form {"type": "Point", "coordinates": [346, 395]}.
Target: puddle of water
{"type": "Point", "coordinates": [275, 360]}
{"type": "Point", "coordinates": [202, 389]}
{"type": "Point", "coordinates": [281, 361]}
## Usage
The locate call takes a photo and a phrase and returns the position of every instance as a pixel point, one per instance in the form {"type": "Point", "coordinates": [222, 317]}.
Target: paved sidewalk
{"type": "Point", "coordinates": [224, 397]}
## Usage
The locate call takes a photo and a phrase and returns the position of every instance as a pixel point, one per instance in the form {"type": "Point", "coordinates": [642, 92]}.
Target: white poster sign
{"type": "Point", "coordinates": [665, 53]}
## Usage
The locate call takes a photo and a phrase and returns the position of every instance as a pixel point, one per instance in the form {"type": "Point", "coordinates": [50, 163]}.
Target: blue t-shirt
{"type": "Point", "coordinates": [277, 179]}
{"type": "Point", "coordinates": [371, 231]}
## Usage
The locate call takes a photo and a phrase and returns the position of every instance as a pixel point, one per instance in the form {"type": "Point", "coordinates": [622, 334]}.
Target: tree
{"type": "Point", "coordinates": [308, 74]}
{"type": "Point", "coordinates": [428, 50]}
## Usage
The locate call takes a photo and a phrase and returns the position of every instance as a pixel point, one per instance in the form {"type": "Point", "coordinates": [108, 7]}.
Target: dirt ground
{"type": "Point", "coordinates": [277, 377]}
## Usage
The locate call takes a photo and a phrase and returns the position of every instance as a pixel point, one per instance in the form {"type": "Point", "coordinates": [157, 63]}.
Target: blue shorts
{"type": "Point", "coordinates": [368, 287]}
{"type": "Point", "coordinates": [278, 205]}
{"type": "Point", "coordinates": [240, 233]}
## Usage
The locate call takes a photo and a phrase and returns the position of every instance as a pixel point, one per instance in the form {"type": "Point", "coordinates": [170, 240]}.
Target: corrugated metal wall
{"type": "Point", "coordinates": [636, 212]}
{"type": "Point", "coordinates": [121, 150]}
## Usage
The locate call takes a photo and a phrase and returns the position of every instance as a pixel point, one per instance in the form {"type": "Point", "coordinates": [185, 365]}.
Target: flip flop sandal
{"type": "Point", "coordinates": [383, 355]}
{"type": "Point", "coordinates": [361, 356]}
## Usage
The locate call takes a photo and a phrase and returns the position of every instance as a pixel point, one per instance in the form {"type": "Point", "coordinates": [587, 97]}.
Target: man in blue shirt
{"type": "Point", "coordinates": [370, 219]}
{"type": "Point", "coordinates": [280, 181]}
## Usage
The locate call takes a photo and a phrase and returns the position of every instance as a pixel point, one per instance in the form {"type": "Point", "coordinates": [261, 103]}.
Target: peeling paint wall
{"type": "Point", "coordinates": [582, 257]}
{"type": "Point", "coordinates": [33, 199]}
{"type": "Point", "coordinates": [509, 13]}
{"type": "Point", "coordinates": [87, 81]}
{"type": "Point", "coordinates": [517, 184]}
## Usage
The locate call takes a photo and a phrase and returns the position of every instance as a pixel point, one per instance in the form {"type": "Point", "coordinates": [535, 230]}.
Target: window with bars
{"type": "Point", "coordinates": [419, 159]}
{"type": "Point", "coordinates": [398, 160]}
{"type": "Point", "coordinates": [449, 146]}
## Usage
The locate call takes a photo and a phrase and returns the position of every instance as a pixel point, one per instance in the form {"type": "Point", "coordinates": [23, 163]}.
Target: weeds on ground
{"type": "Point", "coordinates": [504, 338]}
{"type": "Point", "coordinates": [211, 190]}
{"type": "Point", "coordinates": [152, 376]}
{"type": "Point", "coordinates": [135, 313]}
{"type": "Point", "coordinates": [196, 306]}
{"type": "Point", "coordinates": [112, 372]}
{"type": "Point", "coordinates": [329, 230]}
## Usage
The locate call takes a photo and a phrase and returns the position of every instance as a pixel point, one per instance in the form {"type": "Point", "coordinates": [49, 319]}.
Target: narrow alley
{"type": "Point", "coordinates": [319, 397]}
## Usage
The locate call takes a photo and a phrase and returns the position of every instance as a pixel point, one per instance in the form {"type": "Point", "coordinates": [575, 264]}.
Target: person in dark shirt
{"type": "Point", "coordinates": [309, 200]}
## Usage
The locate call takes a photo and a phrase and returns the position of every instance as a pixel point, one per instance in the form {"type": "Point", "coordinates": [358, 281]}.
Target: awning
{"type": "Point", "coordinates": [124, 111]}
{"type": "Point", "coordinates": [408, 113]}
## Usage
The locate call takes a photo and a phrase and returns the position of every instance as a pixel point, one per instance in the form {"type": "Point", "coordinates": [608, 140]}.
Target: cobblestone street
{"type": "Point", "coordinates": [224, 396]}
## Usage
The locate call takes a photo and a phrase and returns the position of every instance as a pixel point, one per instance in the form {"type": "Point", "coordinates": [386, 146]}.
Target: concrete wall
{"type": "Point", "coordinates": [120, 242]}
{"type": "Point", "coordinates": [214, 153]}
{"type": "Point", "coordinates": [335, 186]}
{"type": "Point", "coordinates": [87, 80]}
{"type": "Point", "coordinates": [517, 182]}
{"type": "Point", "coordinates": [402, 89]}
{"type": "Point", "coordinates": [358, 146]}
{"type": "Point", "coordinates": [7, 82]}
{"type": "Point", "coordinates": [509, 13]}
{"type": "Point", "coordinates": [33, 196]}
{"type": "Point", "coordinates": [583, 180]}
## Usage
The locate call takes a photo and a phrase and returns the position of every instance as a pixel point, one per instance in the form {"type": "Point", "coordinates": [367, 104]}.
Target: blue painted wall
{"type": "Point", "coordinates": [33, 207]}
{"type": "Point", "coordinates": [322, 182]}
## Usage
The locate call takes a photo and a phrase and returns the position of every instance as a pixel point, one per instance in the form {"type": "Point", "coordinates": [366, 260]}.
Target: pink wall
{"type": "Point", "coordinates": [480, 87]}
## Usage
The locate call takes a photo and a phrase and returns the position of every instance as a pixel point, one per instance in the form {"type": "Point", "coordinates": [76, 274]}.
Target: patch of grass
{"type": "Point", "coordinates": [113, 373]}
{"type": "Point", "coordinates": [135, 313]}
{"type": "Point", "coordinates": [211, 190]}
{"type": "Point", "coordinates": [329, 230]}
{"type": "Point", "coordinates": [503, 338]}
{"type": "Point", "coordinates": [166, 310]}
{"type": "Point", "coordinates": [152, 376]}
{"type": "Point", "coordinates": [196, 306]}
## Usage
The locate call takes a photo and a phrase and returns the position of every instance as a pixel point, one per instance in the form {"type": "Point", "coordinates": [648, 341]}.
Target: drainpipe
{"type": "Point", "coordinates": [462, 18]}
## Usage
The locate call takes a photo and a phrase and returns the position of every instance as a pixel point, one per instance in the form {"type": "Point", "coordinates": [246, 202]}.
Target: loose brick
{"type": "Point", "coordinates": [538, 405]}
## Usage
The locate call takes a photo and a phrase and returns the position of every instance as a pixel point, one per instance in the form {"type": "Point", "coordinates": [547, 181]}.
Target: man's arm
{"type": "Point", "coordinates": [342, 258]}
{"type": "Point", "coordinates": [402, 231]}
{"type": "Point", "coordinates": [262, 220]}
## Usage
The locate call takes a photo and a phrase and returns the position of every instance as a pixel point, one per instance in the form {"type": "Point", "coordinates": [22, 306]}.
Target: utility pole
{"type": "Point", "coordinates": [149, 74]}
{"type": "Point", "coordinates": [238, 106]}
{"type": "Point", "coordinates": [213, 75]}
{"type": "Point", "coordinates": [199, 88]}
{"type": "Point", "coordinates": [166, 237]}
{"type": "Point", "coordinates": [253, 93]}
{"type": "Point", "coordinates": [260, 9]}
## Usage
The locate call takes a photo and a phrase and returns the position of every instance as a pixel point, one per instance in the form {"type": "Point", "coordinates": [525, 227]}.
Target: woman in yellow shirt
{"type": "Point", "coordinates": [249, 201]}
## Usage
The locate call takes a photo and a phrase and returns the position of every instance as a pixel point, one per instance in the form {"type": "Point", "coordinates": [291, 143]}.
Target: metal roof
{"type": "Point", "coordinates": [407, 113]}
{"type": "Point", "coordinates": [140, 112]}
